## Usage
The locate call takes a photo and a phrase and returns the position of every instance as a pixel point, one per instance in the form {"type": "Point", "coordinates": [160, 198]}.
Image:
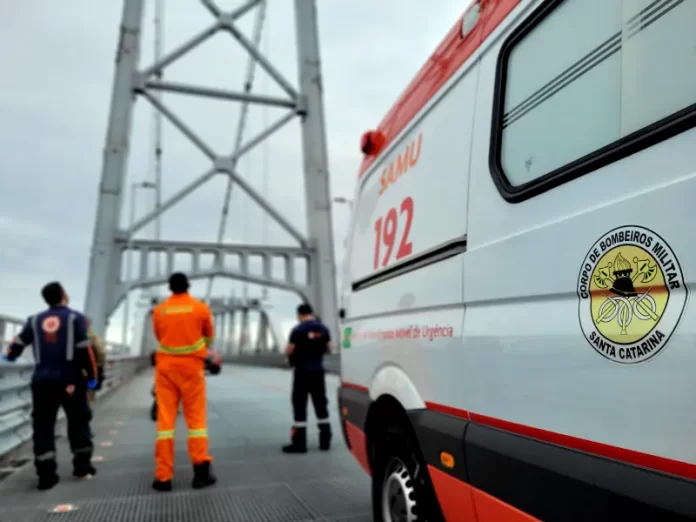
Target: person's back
{"type": "Point", "coordinates": [181, 325]}
{"type": "Point", "coordinates": [65, 368]}
{"type": "Point", "coordinates": [54, 347]}
{"type": "Point", "coordinates": [309, 341]}
{"type": "Point", "coordinates": [310, 338]}
{"type": "Point", "coordinates": [184, 329]}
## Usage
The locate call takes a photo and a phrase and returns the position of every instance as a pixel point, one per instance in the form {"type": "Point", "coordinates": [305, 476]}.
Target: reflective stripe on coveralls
{"type": "Point", "coordinates": [183, 327]}
{"type": "Point", "coordinates": [185, 350]}
{"type": "Point", "coordinates": [192, 434]}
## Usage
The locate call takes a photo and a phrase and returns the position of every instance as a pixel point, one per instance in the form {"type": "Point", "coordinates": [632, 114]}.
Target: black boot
{"type": "Point", "coordinates": [48, 481]}
{"type": "Point", "coordinates": [46, 470]}
{"type": "Point", "coordinates": [203, 476]}
{"type": "Point", "coordinates": [298, 441]}
{"type": "Point", "coordinates": [84, 471]}
{"type": "Point", "coordinates": [324, 436]}
{"type": "Point", "coordinates": [162, 485]}
{"type": "Point", "coordinates": [82, 465]}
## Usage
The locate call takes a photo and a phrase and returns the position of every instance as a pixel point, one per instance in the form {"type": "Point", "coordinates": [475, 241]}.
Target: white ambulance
{"type": "Point", "coordinates": [518, 342]}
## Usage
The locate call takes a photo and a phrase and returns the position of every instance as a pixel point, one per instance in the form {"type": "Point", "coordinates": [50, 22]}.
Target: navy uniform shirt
{"type": "Point", "coordinates": [60, 344]}
{"type": "Point", "coordinates": [311, 339]}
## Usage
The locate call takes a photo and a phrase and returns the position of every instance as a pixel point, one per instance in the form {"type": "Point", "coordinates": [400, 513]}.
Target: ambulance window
{"type": "Point", "coordinates": [583, 83]}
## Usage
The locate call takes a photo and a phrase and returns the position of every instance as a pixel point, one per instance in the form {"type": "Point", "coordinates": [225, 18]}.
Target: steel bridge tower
{"type": "Point", "coordinates": [106, 288]}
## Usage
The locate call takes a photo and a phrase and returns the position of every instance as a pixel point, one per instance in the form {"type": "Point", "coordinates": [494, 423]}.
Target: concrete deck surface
{"type": "Point", "coordinates": [249, 420]}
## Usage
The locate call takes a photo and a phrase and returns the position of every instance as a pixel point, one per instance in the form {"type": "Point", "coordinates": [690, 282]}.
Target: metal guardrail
{"type": "Point", "coordinates": [332, 362]}
{"type": "Point", "coordinates": [15, 395]}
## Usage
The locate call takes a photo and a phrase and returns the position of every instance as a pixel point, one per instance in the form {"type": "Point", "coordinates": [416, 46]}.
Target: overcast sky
{"type": "Point", "coordinates": [56, 71]}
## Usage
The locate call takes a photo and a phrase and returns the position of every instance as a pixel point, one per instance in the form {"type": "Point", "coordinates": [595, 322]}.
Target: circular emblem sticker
{"type": "Point", "coordinates": [50, 324]}
{"type": "Point", "coordinates": [632, 294]}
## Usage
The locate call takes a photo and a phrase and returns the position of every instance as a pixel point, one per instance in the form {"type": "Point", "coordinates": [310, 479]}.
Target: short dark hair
{"type": "Point", "coordinates": [304, 309]}
{"type": "Point", "coordinates": [53, 293]}
{"type": "Point", "coordinates": [178, 283]}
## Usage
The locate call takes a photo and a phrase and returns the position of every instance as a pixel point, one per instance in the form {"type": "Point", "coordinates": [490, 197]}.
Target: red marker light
{"type": "Point", "coordinates": [366, 143]}
{"type": "Point", "coordinates": [371, 142]}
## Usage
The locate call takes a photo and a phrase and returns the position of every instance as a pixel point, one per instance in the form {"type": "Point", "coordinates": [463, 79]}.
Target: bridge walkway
{"type": "Point", "coordinates": [249, 420]}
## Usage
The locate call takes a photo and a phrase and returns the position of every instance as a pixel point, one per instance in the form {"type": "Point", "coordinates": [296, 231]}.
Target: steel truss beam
{"type": "Point", "coordinates": [146, 277]}
{"type": "Point", "coordinates": [227, 343]}
{"type": "Point", "coordinates": [225, 311]}
{"type": "Point", "coordinates": [234, 304]}
{"type": "Point", "coordinates": [241, 126]}
{"type": "Point", "coordinates": [105, 289]}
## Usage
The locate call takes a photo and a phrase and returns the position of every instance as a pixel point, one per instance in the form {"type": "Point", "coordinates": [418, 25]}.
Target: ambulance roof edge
{"type": "Point", "coordinates": [449, 56]}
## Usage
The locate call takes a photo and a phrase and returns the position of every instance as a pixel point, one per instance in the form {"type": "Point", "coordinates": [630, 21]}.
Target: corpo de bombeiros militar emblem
{"type": "Point", "coordinates": [632, 294]}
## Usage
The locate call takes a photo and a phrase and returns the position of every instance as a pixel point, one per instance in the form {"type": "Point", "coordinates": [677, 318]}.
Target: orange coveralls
{"type": "Point", "coordinates": [184, 329]}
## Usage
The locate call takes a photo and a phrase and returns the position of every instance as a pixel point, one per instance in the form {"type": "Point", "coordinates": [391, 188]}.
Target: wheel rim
{"type": "Point", "coordinates": [398, 493]}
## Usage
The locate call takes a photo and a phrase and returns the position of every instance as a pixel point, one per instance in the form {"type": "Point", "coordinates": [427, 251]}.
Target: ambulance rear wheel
{"type": "Point", "coordinates": [401, 489]}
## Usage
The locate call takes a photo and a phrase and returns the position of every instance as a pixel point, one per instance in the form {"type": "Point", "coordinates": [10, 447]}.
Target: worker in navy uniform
{"type": "Point", "coordinates": [62, 352]}
{"type": "Point", "coordinates": [309, 341]}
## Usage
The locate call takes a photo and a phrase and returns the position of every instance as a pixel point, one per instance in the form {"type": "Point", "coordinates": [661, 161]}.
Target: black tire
{"type": "Point", "coordinates": [153, 411]}
{"type": "Point", "coordinates": [397, 454]}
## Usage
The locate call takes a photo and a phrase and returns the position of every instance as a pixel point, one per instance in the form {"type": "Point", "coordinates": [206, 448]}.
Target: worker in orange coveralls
{"type": "Point", "coordinates": [184, 329]}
